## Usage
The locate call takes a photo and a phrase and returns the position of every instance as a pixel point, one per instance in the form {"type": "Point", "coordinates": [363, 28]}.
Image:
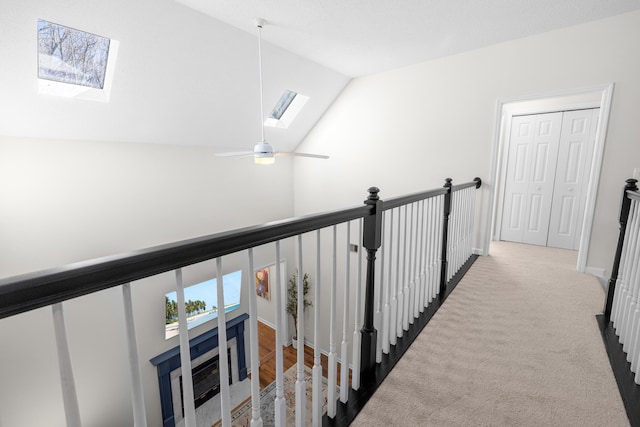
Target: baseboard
{"type": "Point", "coordinates": [629, 390]}
{"type": "Point", "coordinates": [595, 271]}
{"type": "Point", "coordinates": [266, 322]}
{"type": "Point", "coordinates": [598, 273]}
{"type": "Point", "coordinates": [478, 251]}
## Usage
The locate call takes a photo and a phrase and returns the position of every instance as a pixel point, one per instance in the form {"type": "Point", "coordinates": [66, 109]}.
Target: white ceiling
{"type": "Point", "coordinates": [360, 37]}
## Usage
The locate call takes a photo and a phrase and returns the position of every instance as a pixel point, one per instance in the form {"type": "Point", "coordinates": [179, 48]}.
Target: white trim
{"type": "Point", "coordinates": [556, 108]}
{"type": "Point", "coordinates": [266, 322]}
{"type": "Point", "coordinates": [498, 170]}
{"type": "Point", "coordinates": [595, 271]}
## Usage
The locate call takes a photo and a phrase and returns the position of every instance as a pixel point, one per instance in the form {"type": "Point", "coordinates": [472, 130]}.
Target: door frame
{"type": "Point", "coordinates": [548, 102]}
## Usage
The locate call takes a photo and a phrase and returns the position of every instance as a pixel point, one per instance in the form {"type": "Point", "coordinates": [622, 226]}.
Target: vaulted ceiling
{"type": "Point", "coordinates": [360, 37]}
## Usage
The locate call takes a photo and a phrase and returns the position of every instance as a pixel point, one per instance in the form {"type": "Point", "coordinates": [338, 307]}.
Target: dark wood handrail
{"type": "Point", "coordinates": [477, 182]}
{"type": "Point", "coordinates": [29, 291]}
{"type": "Point", "coordinates": [633, 195]}
{"type": "Point", "coordinates": [412, 198]}
{"type": "Point", "coordinates": [22, 293]}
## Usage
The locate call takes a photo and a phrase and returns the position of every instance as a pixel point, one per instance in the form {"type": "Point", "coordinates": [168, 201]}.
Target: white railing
{"type": "Point", "coordinates": [410, 233]}
{"type": "Point", "coordinates": [625, 307]}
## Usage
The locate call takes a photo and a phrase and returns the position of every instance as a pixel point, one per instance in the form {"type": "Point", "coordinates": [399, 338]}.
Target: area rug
{"type": "Point", "coordinates": [241, 417]}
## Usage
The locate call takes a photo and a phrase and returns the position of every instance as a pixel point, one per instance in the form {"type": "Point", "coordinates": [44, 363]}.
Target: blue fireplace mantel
{"type": "Point", "coordinates": [169, 361]}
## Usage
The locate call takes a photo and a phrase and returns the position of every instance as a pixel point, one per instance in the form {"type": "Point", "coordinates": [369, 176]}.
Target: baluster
{"type": "Point", "coordinates": [430, 239]}
{"type": "Point", "coordinates": [332, 358]}
{"type": "Point", "coordinates": [471, 210]}
{"type": "Point", "coordinates": [464, 215]}
{"type": "Point", "coordinates": [464, 205]}
{"type": "Point", "coordinates": [620, 271]}
{"type": "Point", "coordinates": [421, 268]}
{"type": "Point", "coordinates": [471, 214]}
{"type": "Point", "coordinates": [436, 226]}
{"type": "Point", "coordinates": [416, 263]}
{"type": "Point", "coordinates": [344, 347]}
{"type": "Point", "coordinates": [462, 247]}
{"type": "Point", "coordinates": [625, 266]}
{"type": "Point", "coordinates": [393, 309]}
{"type": "Point", "coordinates": [399, 287]}
{"type": "Point", "coordinates": [411, 279]}
{"type": "Point", "coordinates": [459, 248]}
{"type": "Point", "coordinates": [317, 397]}
{"type": "Point", "coordinates": [457, 223]}
{"type": "Point", "coordinates": [301, 385]}
{"type": "Point", "coordinates": [427, 253]}
{"type": "Point", "coordinates": [256, 419]}
{"type": "Point", "coordinates": [223, 361]}
{"type": "Point", "coordinates": [386, 312]}
{"type": "Point", "coordinates": [440, 260]}
{"type": "Point", "coordinates": [185, 355]}
{"type": "Point", "coordinates": [377, 320]}
{"type": "Point", "coordinates": [444, 235]}
{"type": "Point", "coordinates": [630, 289]}
{"type": "Point", "coordinates": [634, 284]}
{"type": "Point", "coordinates": [280, 404]}
{"type": "Point", "coordinates": [452, 235]}
{"type": "Point", "coordinates": [634, 330]}
{"type": "Point", "coordinates": [631, 302]}
{"type": "Point", "coordinates": [634, 347]}
{"type": "Point", "coordinates": [628, 278]}
{"type": "Point", "coordinates": [405, 273]}
{"type": "Point", "coordinates": [135, 375]}
{"type": "Point", "coordinates": [67, 382]}
{"type": "Point", "coordinates": [464, 221]}
{"type": "Point", "coordinates": [622, 242]}
{"type": "Point", "coordinates": [400, 273]}
{"type": "Point", "coordinates": [357, 334]}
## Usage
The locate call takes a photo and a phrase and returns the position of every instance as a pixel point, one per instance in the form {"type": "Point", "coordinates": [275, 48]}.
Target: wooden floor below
{"type": "Point", "coordinates": [267, 356]}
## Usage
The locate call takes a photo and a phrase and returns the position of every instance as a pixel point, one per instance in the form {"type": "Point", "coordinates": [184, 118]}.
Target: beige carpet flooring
{"type": "Point", "coordinates": [515, 344]}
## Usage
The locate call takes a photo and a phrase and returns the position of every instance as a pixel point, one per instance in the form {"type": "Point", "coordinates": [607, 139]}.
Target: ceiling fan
{"type": "Point", "coordinates": [263, 152]}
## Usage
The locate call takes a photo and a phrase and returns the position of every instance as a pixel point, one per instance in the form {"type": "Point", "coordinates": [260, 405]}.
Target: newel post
{"type": "Point", "coordinates": [624, 216]}
{"type": "Point", "coordinates": [372, 239]}
{"type": "Point", "coordinates": [445, 232]}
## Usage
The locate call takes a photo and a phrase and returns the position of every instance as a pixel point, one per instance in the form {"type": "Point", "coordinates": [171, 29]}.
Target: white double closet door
{"type": "Point", "coordinates": [548, 168]}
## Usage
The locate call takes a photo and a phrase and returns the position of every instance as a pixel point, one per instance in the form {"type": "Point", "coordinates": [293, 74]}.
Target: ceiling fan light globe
{"type": "Point", "coordinates": [264, 160]}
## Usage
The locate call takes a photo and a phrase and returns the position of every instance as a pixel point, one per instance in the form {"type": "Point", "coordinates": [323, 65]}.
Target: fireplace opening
{"type": "Point", "coordinates": [206, 380]}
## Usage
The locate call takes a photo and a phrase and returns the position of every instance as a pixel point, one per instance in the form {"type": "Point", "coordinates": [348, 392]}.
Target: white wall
{"type": "Point", "coordinates": [66, 201]}
{"type": "Point", "coordinates": [409, 128]}
{"type": "Point", "coordinates": [82, 179]}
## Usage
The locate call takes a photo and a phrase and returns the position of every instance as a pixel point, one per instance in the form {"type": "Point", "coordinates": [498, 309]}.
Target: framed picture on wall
{"type": "Point", "coordinates": [201, 302]}
{"type": "Point", "coordinates": [262, 281]}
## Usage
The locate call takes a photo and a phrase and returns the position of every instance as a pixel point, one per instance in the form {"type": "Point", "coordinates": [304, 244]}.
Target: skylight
{"type": "Point", "coordinates": [74, 63]}
{"type": "Point", "coordinates": [287, 108]}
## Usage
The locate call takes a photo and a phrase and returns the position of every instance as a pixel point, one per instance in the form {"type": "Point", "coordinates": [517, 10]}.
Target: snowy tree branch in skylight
{"type": "Point", "coordinates": [71, 56]}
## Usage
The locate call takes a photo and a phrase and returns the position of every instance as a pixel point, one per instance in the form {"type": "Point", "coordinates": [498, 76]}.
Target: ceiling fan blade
{"type": "Point", "coordinates": [314, 156]}
{"type": "Point", "coordinates": [234, 154]}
